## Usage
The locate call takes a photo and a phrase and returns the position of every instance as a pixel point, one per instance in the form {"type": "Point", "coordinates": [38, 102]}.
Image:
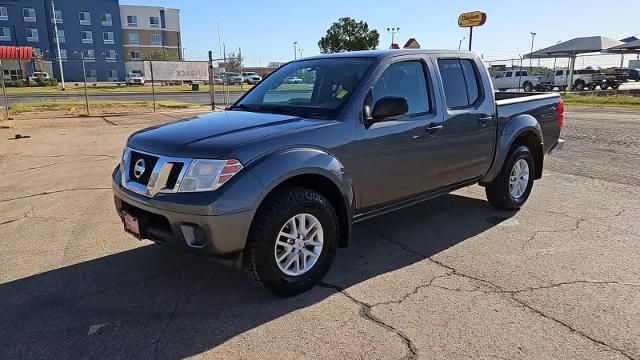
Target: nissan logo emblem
{"type": "Point", "coordinates": [139, 168]}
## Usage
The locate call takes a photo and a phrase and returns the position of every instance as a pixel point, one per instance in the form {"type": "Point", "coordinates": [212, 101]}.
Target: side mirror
{"type": "Point", "coordinates": [388, 107]}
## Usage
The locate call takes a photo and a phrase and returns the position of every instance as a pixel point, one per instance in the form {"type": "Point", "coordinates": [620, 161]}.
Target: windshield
{"type": "Point", "coordinates": [315, 87]}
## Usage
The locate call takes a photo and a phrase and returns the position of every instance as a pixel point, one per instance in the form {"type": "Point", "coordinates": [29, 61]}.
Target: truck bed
{"type": "Point", "coordinates": [541, 106]}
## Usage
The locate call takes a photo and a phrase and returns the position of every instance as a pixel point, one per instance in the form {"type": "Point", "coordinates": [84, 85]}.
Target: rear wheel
{"type": "Point", "coordinates": [292, 242]}
{"type": "Point", "coordinates": [527, 87]}
{"type": "Point", "coordinates": [511, 188]}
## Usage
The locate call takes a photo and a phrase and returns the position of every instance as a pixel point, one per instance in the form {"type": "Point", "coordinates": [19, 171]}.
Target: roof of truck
{"type": "Point", "coordinates": [386, 53]}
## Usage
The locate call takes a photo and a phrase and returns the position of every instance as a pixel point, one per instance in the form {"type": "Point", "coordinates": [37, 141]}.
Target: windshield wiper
{"type": "Point", "coordinates": [242, 107]}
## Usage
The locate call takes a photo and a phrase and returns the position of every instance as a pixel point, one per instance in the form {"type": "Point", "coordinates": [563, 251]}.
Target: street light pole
{"type": "Point", "coordinates": [55, 28]}
{"type": "Point", "coordinates": [460, 43]}
{"type": "Point", "coordinates": [533, 36]}
{"type": "Point", "coordinates": [393, 32]}
{"type": "Point", "coordinates": [300, 50]}
{"type": "Point", "coordinates": [295, 50]}
{"type": "Point", "coordinates": [84, 73]}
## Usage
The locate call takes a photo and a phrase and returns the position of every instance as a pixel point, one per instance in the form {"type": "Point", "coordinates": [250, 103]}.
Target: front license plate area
{"type": "Point", "coordinates": [131, 225]}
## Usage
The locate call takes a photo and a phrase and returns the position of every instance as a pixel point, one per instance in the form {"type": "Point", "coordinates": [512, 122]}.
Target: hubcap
{"type": "Point", "coordinates": [519, 179]}
{"type": "Point", "coordinates": [299, 244]}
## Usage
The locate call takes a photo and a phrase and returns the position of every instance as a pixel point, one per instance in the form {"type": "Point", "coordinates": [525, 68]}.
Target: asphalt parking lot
{"type": "Point", "coordinates": [451, 278]}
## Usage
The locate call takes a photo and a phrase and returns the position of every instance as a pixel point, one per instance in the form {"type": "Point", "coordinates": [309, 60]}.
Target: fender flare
{"type": "Point", "coordinates": [517, 126]}
{"type": "Point", "coordinates": [277, 167]}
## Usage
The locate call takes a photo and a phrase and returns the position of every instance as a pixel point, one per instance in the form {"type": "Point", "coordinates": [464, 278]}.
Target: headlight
{"type": "Point", "coordinates": [207, 175]}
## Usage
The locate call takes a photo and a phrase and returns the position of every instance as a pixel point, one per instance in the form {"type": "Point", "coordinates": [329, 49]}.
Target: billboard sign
{"type": "Point", "coordinates": [470, 19]}
{"type": "Point", "coordinates": [178, 70]}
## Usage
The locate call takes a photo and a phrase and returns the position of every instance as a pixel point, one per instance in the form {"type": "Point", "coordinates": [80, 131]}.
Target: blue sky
{"type": "Point", "coordinates": [266, 30]}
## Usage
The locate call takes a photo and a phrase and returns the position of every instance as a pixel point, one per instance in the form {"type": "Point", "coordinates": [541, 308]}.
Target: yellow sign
{"type": "Point", "coordinates": [474, 18]}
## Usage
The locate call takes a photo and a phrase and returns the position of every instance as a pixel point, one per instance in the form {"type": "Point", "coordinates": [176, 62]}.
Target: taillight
{"type": "Point", "coordinates": [560, 113]}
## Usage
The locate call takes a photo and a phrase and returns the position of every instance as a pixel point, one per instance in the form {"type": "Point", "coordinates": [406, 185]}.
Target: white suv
{"type": "Point", "coordinates": [251, 78]}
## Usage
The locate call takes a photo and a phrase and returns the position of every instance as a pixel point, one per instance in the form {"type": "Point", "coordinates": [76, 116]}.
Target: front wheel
{"type": "Point", "coordinates": [511, 188]}
{"type": "Point", "coordinates": [604, 86]}
{"type": "Point", "coordinates": [292, 242]}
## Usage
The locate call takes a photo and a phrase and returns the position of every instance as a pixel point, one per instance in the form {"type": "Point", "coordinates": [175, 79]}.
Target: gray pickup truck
{"type": "Point", "coordinates": [276, 181]}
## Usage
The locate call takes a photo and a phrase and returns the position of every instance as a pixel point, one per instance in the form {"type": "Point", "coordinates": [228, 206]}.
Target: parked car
{"type": "Point", "coordinates": [515, 79]}
{"type": "Point", "coordinates": [251, 78]}
{"type": "Point", "coordinates": [293, 80]}
{"type": "Point", "coordinates": [134, 78]}
{"type": "Point", "coordinates": [231, 78]}
{"type": "Point", "coordinates": [606, 81]}
{"type": "Point", "coordinates": [275, 182]}
{"type": "Point", "coordinates": [217, 79]}
{"type": "Point", "coordinates": [634, 74]}
{"type": "Point", "coordinates": [40, 75]}
{"type": "Point", "coordinates": [582, 80]}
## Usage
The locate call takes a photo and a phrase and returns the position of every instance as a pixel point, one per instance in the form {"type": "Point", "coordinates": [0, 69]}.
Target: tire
{"type": "Point", "coordinates": [604, 86]}
{"type": "Point", "coordinates": [527, 87]}
{"type": "Point", "coordinates": [499, 191]}
{"type": "Point", "coordinates": [580, 85]}
{"type": "Point", "coordinates": [265, 242]}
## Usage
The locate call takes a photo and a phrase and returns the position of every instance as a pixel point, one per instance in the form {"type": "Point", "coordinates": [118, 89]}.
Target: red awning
{"type": "Point", "coordinates": [16, 52]}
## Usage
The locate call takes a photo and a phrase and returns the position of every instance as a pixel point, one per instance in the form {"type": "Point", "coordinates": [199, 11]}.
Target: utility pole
{"type": "Point", "coordinates": [212, 91]}
{"type": "Point", "coordinates": [300, 50]}
{"type": "Point", "coordinates": [295, 51]}
{"type": "Point", "coordinates": [84, 73]}
{"type": "Point", "coordinates": [460, 43]}
{"type": "Point", "coordinates": [19, 60]}
{"type": "Point", "coordinates": [55, 28]}
{"type": "Point", "coordinates": [393, 32]}
{"type": "Point", "coordinates": [533, 37]}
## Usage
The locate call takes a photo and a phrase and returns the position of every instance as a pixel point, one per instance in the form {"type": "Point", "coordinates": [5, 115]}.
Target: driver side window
{"type": "Point", "coordinates": [404, 79]}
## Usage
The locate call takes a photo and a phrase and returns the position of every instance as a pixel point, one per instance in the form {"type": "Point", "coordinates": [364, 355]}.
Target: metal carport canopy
{"type": "Point", "coordinates": [574, 47]}
{"type": "Point", "coordinates": [632, 47]}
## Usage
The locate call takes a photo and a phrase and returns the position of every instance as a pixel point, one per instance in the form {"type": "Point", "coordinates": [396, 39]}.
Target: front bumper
{"type": "Point", "coordinates": [211, 235]}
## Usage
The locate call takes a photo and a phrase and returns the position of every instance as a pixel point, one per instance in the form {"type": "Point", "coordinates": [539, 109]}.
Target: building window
{"type": "Point", "coordinates": [106, 19]}
{"type": "Point", "coordinates": [29, 14]}
{"type": "Point", "coordinates": [91, 75]}
{"type": "Point", "coordinates": [156, 39]}
{"type": "Point", "coordinates": [5, 34]}
{"type": "Point", "coordinates": [87, 37]}
{"type": "Point", "coordinates": [12, 75]}
{"type": "Point", "coordinates": [132, 20]}
{"type": "Point", "coordinates": [110, 55]}
{"type": "Point", "coordinates": [85, 18]}
{"type": "Point", "coordinates": [32, 35]}
{"type": "Point", "coordinates": [89, 54]}
{"type": "Point", "coordinates": [134, 38]}
{"type": "Point", "coordinates": [154, 22]}
{"type": "Point", "coordinates": [107, 37]}
{"type": "Point", "coordinates": [61, 36]}
{"type": "Point", "coordinates": [61, 55]}
{"type": "Point", "coordinates": [4, 15]}
{"type": "Point", "coordinates": [56, 17]}
{"type": "Point", "coordinates": [134, 55]}
{"type": "Point", "coordinates": [112, 75]}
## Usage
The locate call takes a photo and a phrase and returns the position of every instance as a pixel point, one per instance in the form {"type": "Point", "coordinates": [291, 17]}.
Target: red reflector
{"type": "Point", "coordinates": [560, 113]}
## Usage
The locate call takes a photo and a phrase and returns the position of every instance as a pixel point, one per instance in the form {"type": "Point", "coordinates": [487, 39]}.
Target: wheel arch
{"type": "Point", "coordinates": [524, 130]}
{"type": "Point", "coordinates": [314, 169]}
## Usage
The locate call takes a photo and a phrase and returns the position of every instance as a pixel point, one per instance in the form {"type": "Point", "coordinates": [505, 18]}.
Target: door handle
{"type": "Point", "coordinates": [484, 119]}
{"type": "Point", "coordinates": [433, 128]}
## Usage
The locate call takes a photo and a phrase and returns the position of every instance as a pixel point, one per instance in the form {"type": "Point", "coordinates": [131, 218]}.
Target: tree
{"type": "Point", "coordinates": [161, 55]}
{"type": "Point", "coordinates": [234, 63]}
{"type": "Point", "coordinates": [348, 35]}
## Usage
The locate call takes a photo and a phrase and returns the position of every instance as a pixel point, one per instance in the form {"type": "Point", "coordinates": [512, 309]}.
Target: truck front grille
{"type": "Point", "coordinates": [149, 174]}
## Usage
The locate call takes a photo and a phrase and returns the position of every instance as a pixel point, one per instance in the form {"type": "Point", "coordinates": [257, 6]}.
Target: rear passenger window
{"type": "Point", "coordinates": [404, 79]}
{"type": "Point", "coordinates": [460, 82]}
{"type": "Point", "coordinates": [509, 74]}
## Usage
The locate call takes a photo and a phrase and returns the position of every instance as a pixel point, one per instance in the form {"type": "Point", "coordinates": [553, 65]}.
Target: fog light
{"type": "Point", "coordinates": [194, 235]}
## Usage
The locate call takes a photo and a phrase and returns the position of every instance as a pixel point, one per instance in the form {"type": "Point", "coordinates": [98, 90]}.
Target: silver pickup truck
{"type": "Point", "coordinates": [277, 180]}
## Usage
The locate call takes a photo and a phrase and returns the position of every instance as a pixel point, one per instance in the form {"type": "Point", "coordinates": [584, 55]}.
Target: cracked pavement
{"type": "Point", "coordinates": [447, 279]}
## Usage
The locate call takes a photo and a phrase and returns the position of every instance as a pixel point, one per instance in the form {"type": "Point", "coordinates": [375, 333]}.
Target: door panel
{"type": "Point", "coordinates": [396, 159]}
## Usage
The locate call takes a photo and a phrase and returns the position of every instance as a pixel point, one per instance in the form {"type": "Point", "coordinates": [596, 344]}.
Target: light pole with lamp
{"type": "Point", "coordinates": [55, 28]}
{"type": "Point", "coordinates": [84, 76]}
{"type": "Point", "coordinates": [300, 50]}
{"type": "Point", "coordinates": [533, 36]}
{"type": "Point", "coordinates": [393, 32]}
{"type": "Point", "coordinates": [460, 43]}
{"type": "Point", "coordinates": [295, 50]}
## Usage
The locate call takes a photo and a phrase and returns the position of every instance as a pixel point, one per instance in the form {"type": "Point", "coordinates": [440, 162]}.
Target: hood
{"type": "Point", "coordinates": [211, 135]}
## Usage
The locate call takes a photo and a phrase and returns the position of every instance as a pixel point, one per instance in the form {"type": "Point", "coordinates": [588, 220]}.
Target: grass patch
{"type": "Point", "coordinates": [17, 108]}
{"type": "Point", "coordinates": [626, 101]}
{"type": "Point", "coordinates": [72, 88]}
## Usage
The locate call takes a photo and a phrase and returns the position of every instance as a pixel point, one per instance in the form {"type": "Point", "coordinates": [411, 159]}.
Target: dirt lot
{"type": "Point", "coordinates": [451, 278]}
